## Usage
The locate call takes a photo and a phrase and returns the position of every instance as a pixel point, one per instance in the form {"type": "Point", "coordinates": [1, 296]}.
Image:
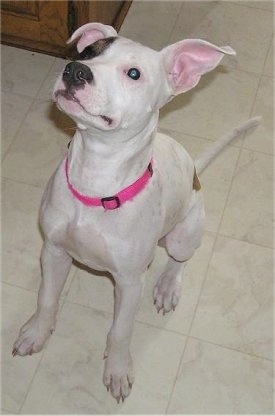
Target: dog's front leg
{"type": "Point", "coordinates": [55, 265]}
{"type": "Point", "coordinates": [118, 372]}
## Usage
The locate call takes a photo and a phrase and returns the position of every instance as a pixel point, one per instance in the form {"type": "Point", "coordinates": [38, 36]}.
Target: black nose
{"type": "Point", "coordinates": [77, 74]}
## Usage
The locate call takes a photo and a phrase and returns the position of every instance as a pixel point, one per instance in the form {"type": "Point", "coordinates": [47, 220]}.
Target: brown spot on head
{"type": "Point", "coordinates": [196, 181]}
{"type": "Point", "coordinates": [95, 49]}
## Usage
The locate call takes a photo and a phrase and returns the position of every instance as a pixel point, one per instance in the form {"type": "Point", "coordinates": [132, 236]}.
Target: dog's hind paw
{"type": "Point", "coordinates": [166, 293]}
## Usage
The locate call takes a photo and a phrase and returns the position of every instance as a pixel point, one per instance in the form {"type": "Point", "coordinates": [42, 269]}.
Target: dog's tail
{"type": "Point", "coordinates": [203, 160]}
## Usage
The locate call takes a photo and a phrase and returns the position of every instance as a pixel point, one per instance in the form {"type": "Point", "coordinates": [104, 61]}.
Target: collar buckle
{"type": "Point", "coordinates": [150, 168]}
{"type": "Point", "coordinates": [110, 202]}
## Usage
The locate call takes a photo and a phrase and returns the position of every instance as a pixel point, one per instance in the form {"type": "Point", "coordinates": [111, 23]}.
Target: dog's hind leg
{"type": "Point", "coordinates": [181, 243]}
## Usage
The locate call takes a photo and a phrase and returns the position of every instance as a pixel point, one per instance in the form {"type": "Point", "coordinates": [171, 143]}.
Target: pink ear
{"type": "Point", "coordinates": [90, 33]}
{"type": "Point", "coordinates": [186, 61]}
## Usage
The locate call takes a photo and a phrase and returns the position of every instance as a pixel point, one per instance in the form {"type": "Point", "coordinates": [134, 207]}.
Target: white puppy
{"type": "Point", "coordinates": [122, 189]}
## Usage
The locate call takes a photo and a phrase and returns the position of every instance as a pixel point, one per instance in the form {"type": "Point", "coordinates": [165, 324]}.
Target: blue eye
{"type": "Point", "coordinates": [134, 73]}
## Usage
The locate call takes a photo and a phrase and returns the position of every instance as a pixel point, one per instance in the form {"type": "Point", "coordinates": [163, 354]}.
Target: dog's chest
{"type": "Point", "coordinates": [86, 241]}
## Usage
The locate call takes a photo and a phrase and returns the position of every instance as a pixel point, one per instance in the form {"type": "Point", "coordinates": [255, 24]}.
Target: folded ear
{"type": "Point", "coordinates": [90, 33]}
{"type": "Point", "coordinates": [186, 61]}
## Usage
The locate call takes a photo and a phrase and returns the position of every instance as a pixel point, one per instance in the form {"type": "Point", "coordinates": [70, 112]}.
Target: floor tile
{"type": "Point", "coordinates": [214, 380]}
{"type": "Point", "coordinates": [14, 110]}
{"type": "Point", "coordinates": [153, 32]}
{"type": "Point", "coordinates": [69, 379]}
{"type": "Point", "coordinates": [261, 139]}
{"type": "Point", "coordinates": [249, 211]}
{"type": "Point", "coordinates": [236, 306]}
{"type": "Point", "coordinates": [27, 77]}
{"type": "Point", "coordinates": [39, 146]}
{"type": "Point", "coordinates": [227, 23]}
{"type": "Point", "coordinates": [219, 103]}
{"type": "Point", "coordinates": [17, 372]}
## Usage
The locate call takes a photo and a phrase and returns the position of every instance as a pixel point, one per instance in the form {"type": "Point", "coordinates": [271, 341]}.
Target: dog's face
{"type": "Point", "coordinates": [116, 83]}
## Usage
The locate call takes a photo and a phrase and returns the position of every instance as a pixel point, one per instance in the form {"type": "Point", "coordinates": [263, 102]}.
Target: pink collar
{"type": "Point", "coordinates": [115, 201]}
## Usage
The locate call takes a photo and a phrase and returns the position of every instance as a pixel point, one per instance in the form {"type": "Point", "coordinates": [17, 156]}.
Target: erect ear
{"type": "Point", "coordinates": [186, 61]}
{"type": "Point", "coordinates": [90, 33]}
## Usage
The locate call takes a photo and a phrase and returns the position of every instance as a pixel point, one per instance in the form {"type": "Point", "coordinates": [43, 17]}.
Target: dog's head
{"type": "Point", "coordinates": [116, 83]}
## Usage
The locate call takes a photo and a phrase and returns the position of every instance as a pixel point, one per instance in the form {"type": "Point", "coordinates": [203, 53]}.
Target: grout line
{"type": "Point", "coordinates": [177, 375]}
{"type": "Point", "coordinates": [6, 411]}
{"type": "Point", "coordinates": [188, 336]}
{"type": "Point", "coordinates": [137, 321]}
{"type": "Point", "coordinates": [245, 241]}
{"type": "Point", "coordinates": [226, 347]}
{"type": "Point", "coordinates": [261, 152]}
{"type": "Point", "coordinates": [42, 83]}
{"type": "Point", "coordinates": [3, 282]}
{"type": "Point", "coordinates": [64, 300]}
{"type": "Point", "coordinates": [41, 188]}
{"type": "Point", "coordinates": [239, 239]}
{"type": "Point", "coordinates": [17, 131]}
{"type": "Point", "coordinates": [90, 308]}
{"type": "Point", "coordinates": [167, 130]}
{"type": "Point", "coordinates": [35, 292]}
{"type": "Point", "coordinates": [33, 377]}
{"type": "Point", "coordinates": [175, 23]}
{"type": "Point", "coordinates": [243, 4]}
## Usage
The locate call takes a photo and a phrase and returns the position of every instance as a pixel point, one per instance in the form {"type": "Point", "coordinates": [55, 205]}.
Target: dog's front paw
{"type": "Point", "coordinates": [166, 293]}
{"type": "Point", "coordinates": [118, 375]}
{"type": "Point", "coordinates": [33, 335]}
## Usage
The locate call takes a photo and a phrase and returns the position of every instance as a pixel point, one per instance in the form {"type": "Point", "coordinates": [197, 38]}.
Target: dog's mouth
{"type": "Point", "coordinates": [69, 96]}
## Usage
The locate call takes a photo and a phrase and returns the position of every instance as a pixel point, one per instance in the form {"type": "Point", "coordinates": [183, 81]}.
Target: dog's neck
{"type": "Point", "coordinates": [103, 163]}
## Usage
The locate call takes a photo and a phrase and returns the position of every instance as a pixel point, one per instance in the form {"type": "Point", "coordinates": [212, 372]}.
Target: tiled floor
{"type": "Point", "coordinates": [214, 353]}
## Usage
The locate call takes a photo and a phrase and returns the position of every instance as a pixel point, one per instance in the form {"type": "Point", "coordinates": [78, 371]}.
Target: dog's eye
{"type": "Point", "coordinates": [134, 73]}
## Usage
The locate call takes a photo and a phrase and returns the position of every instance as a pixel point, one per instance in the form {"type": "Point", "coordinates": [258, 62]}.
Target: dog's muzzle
{"type": "Point", "coordinates": [77, 74]}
